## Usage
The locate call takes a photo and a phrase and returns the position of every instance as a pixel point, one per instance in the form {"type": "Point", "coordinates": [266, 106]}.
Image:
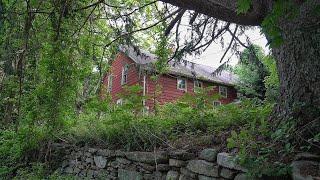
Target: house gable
{"type": "Point", "coordinates": [121, 60]}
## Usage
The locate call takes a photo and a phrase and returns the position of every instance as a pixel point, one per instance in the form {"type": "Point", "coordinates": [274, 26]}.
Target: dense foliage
{"type": "Point", "coordinates": [53, 55]}
{"type": "Point", "coordinates": [257, 75]}
{"type": "Point", "coordinates": [121, 127]}
{"type": "Point", "coordinates": [127, 127]}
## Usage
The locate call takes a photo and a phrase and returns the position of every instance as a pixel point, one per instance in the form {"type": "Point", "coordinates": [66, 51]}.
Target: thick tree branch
{"type": "Point", "coordinates": [237, 39]}
{"type": "Point", "coordinates": [174, 21]}
{"type": "Point", "coordinates": [220, 32]}
{"type": "Point", "coordinates": [226, 10]}
{"type": "Point", "coordinates": [232, 39]}
{"type": "Point", "coordinates": [193, 18]}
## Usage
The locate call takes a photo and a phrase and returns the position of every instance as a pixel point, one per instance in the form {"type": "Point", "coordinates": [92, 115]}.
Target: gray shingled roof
{"type": "Point", "coordinates": [183, 68]}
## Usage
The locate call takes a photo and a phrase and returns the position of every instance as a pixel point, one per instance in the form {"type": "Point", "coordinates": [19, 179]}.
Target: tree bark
{"type": "Point", "coordinates": [298, 57]}
{"type": "Point", "coordinates": [298, 64]}
{"type": "Point", "coordinates": [226, 10]}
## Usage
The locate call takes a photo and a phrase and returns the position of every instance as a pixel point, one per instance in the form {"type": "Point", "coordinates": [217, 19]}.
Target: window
{"type": "Point", "coordinates": [197, 85]}
{"type": "Point", "coordinates": [223, 91]}
{"type": "Point", "coordinates": [182, 84]}
{"type": "Point", "coordinates": [124, 77]}
{"type": "Point", "coordinates": [110, 78]}
{"type": "Point", "coordinates": [146, 110]}
{"type": "Point", "coordinates": [216, 103]}
{"type": "Point", "coordinates": [119, 102]}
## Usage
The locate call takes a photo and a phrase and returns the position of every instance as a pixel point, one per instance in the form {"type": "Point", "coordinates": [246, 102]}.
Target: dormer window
{"type": "Point", "coordinates": [216, 103]}
{"type": "Point", "coordinates": [124, 76]}
{"type": "Point", "coordinates": [197, 85]}
{"type": "Point", "coordinates": [182, 84]}
{"type": "Point", "coordinates": [223, 91]}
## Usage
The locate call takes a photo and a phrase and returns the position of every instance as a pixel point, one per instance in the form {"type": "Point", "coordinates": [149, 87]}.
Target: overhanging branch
{"type": "Point", "coordinates": [226, 10]}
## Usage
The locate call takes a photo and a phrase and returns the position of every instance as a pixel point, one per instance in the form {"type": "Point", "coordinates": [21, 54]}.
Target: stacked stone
{"type": "Point", "coordinates": [89, 163]}
{"type": "Point", "coordinates": [305, 161]}
{"type": "Point", "coordinates": [210, 165]}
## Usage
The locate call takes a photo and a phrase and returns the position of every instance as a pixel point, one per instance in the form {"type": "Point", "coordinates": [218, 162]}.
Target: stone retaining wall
{"type": "Point", "coordinates": [91, 163]}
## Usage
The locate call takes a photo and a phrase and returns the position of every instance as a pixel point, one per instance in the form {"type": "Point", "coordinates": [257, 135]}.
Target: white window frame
{"type": "Point", "coordinates": [124, 74]}
{"type": "Point", "coordinates": [146, 110]}
{"type": "Point", "coordinates": [182, 79]}
{"type": "Point", "coordinates": [119, 102]}
{"type": "Point", "coordinates": [222, 91]}
{"type": "Point", "coordinates": [195, 87]}
{"type": "Point", "coordinates": [219, 103]}
{"type": "Point", "coordinates": [110, 81]}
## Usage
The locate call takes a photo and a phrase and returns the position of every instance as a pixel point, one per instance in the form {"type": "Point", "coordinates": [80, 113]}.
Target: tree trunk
{"type": "Point", "coordinates": [298, 63]}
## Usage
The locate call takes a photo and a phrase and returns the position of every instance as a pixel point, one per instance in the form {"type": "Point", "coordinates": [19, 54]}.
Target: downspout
{"type": "Point", "coordinates": [144, 90]}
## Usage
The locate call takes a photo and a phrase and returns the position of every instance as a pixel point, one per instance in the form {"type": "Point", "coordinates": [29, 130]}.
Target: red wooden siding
{"type": "Point", "coordinates": [116, 71]}
{"type": "Point", "coordinates": [167, 82]}
{"type": "Point", "coordinates": [170, 93]}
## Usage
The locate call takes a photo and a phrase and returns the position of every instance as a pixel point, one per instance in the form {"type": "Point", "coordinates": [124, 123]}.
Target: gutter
{"type": "Point", "coordinates": [144, 89]}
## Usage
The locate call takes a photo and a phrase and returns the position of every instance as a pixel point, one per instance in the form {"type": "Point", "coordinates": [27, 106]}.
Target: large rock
{"type": "Point", "coordinates": [100, 174]}
{"type": "Point", "coordinates": [209, 155]}
{"type": "Point", "coordinates": [298, 168]}
{"type": "Point", "coordinates": [307, 156]}
{"type": "Point", "coordinates": [176, 163]}
{"type": "Point", "coordinates": [123, 161]}
{"type": "Point", "coordinates": [105, 152]}
{"type": "Point", "coordinates": [89, 160]}
{"type": "Point", "coordinates": [172, 175]}
{"type": "Point", "coordinates": [92, 150]}
{"type": "Point", "coordinates": [184, 177]}
{"type": "Point", "coordinates": [154, 176]}
{"type": "Point", "coordinates": [148, 157]}
{"type": "Point", "coordinates": [100, 161]}
{"type": "Point", "coordinates": [228, 161]}
{"type": "Point", "coordinates": [203, 167]}
{"type": "Point", "coordinates": [182, 155]}
{"type": "Point", "coordinates": [147, 167]}
{"type": "Point", "coordinates": [201, 177]}
{"type": "Point", "coordinates": [126, 174]}
{"type": "Point", "coordinates": [227, 173]}
{"type": "Point", "coordinates": [187, 173]}
{"type": "Point", "coordinates": [241, 176]}
{"type": "Point", "coordinates": [68, 170]}
{"type": "Point", "coordinates": [162, 167]}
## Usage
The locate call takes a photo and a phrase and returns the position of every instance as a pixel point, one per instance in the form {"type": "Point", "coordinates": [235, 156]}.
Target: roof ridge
{"type": "Point", "coordinates": [144, 57]}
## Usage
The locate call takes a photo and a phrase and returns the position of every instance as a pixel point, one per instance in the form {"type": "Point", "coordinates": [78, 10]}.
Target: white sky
{"type": "Point", "coordinates": [213, 54]}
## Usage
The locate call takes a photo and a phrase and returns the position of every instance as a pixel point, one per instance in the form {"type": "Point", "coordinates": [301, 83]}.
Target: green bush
{"type": "Point", "coordinates": [11, 151]}
{"type": "Point", "coordinates": [14, 144]}
{"type": "Point", "coordinates": [121, 127]}
{"type": "Point", "coordinates": [256, 142]}
{"type": "Point", "coordinates": [37, 171]}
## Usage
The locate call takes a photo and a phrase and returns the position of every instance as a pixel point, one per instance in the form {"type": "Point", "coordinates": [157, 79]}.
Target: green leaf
{"type": "Point", "coordinates": [243, 6]}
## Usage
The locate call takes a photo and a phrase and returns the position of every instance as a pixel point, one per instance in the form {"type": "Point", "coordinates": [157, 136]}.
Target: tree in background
{"type": "Point", "coordinates": [251, 72]}
{"type": "Point", "coordinates": [258, 76]}
{"type": "Point", "coordinates": [271, 81]}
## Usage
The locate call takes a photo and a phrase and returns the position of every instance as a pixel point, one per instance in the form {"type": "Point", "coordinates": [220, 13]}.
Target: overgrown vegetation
{"type": "Point", "coordinates": [257, 75]}
{"type": "Point", "coordinates": [53, 55]}
{"type": "Point", "coordinates": [120, 127]}
{"type": "Point", "coordinates": [126, 127]}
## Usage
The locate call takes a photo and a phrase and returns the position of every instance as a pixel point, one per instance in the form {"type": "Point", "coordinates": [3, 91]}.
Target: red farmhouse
{"type": "Point", "coordinates": [132, 67]}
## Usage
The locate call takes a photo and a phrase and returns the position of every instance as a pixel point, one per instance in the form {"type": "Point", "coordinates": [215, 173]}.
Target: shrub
{"type": "Point", "coordinates": [39, 171]}
{"type": "Point", "coordinates": [14, 144]}
{"type": "Point", "coordinates": [257, 146]}
{"type": "Point", "coordinates": [120, 127]}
